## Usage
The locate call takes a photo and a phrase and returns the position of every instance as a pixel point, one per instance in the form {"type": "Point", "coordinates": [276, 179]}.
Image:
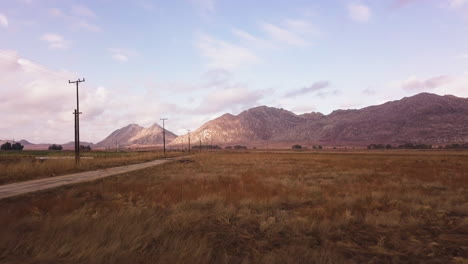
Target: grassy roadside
{"type": "Point", "coordinates": [22, 166]}
{"type": "Point", "coordinates": [252, 208]}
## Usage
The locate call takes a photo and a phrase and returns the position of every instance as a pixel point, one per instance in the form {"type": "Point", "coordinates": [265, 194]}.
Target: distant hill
{"type": "Point", "coordinates": [137, 135]}
{"type": "Point", "coordinates": [423, 118]}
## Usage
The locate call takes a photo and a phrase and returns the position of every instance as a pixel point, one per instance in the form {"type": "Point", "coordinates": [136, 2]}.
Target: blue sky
{"type": "Point", "coordinates": [193, 60]}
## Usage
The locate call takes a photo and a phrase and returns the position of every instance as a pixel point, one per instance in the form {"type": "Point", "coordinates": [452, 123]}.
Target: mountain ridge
{"type": "Point", "coordinates": [422, 118]}
{"type": "Point", "coordinates": [134, 134]}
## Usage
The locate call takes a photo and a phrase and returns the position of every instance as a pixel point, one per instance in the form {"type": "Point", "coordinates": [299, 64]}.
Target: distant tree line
{"type": "Point", "coordinates": [236, 147]}
{"type": "Point", "coordinates": [298, 147]}
{"type": "Point", "coordinates": [457, 146]}
{"type": "Point", "coordinates": [55, 147]}
{"type": "Point", "coordinates": [206, 147]}
{"type": "Point", "coordinates": [8, 146]}
{"type": "Point", "coordinates": [85, 148]}
{"type": "Point", "coordinates": [416, 146]}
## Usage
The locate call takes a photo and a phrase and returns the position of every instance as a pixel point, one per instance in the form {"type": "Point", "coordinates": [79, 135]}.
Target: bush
{"type": "Point", "coordinates": [296, 147]}
{"type": "Point", "coordinates": [85, 148]}
{"type": "Point", "coordinates": [55, 147]}
{"type": "Point", "coordinates": [6, 146]}
{"type": "Point", "coordinates": [9, 146]}
{"type": "Point", "coordinates": [17, 146]}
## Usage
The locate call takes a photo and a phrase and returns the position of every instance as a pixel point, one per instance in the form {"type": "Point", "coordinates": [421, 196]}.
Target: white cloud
{"type": "Point", "coordinates": [3, 21]}
{"type": "Point", "coordinates": [221, 54]}
{"type": "Point", "coordinates": [359, 13]}
{"type": "Point", "coordinates": [284, 35]}
{"type": "Point", "coordinates": [55, 41]}
{"type": "Point", "coordinates": [40, 100]}
{"type": "Point", "coordinates": [122, 55]}
{"type": "Point", "coordinates": [83, 11]}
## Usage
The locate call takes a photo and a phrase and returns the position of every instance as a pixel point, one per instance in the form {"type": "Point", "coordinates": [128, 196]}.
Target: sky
{"type": "Point", "coordinates": [193, 60]}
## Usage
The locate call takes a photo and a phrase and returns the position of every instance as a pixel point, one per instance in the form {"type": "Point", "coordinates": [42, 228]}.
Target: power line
{"type": "Point", "coordinates": [34, 66]}
{"type": "Point", "coordinates": [40, 68]}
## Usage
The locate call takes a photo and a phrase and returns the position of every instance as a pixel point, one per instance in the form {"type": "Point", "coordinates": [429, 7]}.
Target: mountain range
{"type": "Point", "coordinates": [423, 118]}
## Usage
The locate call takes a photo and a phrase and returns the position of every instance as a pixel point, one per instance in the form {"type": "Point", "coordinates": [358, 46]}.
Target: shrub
{"type": "Point", "coordinates": [55, 147]}
{"type": "Point", "coordinates": [17, 146]}
{"type": "Point", "coordinates": [14, 146]}
{"type": "Point", "coordinates": [296, 147]}
{"type": "Point", "coordinates": [85, 148]}
{"type": "Point", "coordinates": [6, 146]}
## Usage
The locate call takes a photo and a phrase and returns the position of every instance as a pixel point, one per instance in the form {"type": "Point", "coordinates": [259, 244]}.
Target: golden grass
{"type": "Point", "coordinates": [252, 208]}
{"type": "Point", "coordinates": [15, 168]}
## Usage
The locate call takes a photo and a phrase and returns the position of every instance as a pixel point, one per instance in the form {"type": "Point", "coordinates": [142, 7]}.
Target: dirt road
{"type": "Point", "coordinates": [14, 189]}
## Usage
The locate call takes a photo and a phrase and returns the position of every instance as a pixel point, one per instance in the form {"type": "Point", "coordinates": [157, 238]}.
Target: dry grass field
{"type": "Point", "coordinates": [370, 207]}
{"type": "Point", "coordinates": [23, 165]}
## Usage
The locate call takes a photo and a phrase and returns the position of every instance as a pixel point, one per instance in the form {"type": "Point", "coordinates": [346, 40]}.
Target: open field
{"type": "Point", "coordinates": [252, 207]}
{"type": "Point", "coordinates": [16, 166]}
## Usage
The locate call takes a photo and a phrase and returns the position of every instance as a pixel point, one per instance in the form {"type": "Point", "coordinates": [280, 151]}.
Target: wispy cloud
{"type": "Point", "coordinates": [315, 87]}
{"type": "Point", "coordinates": [251, 39]}
{"type": "Point", "coordinates": [359, 13]}
{"type": "Point", "coordinates": [122, 55]}
{"type": "Point", "coordinates": [225, 55]}
{"type": "Point", "coordinates": [419, 85]}
{"type": "Point", "coordinates": [55, 41]}
{"type": "Point", "coordinates": [82, 11]}
{"type": "Point", "coordinates": [3, 21]}
{"type": "Point", "coordinates": [230, 97]}
{"type": "Point", "coordinates": [285, 35]}
{"type": "Point", "coordinates": [86, 26]}
{"type": "Point", "coordinates": [78, 19]}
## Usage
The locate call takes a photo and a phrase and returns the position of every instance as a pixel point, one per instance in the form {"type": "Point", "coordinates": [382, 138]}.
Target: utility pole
{"type": "Point", "coordinates": [77, 122]}
{"type": "Point", "coordinates": [188, 130]}
{"type": "Point", "coordinates": [164, 135]}
{"type": "Point", "coordinates": [200, 144]}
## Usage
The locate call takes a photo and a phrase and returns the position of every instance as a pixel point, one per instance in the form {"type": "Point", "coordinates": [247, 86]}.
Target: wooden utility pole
{"type": "Point", "coordinates": [188, 130]}
{"type": "Point", "coordinates": [164, 135]}
{"type": "Point", "coordinates": [77, 122]}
